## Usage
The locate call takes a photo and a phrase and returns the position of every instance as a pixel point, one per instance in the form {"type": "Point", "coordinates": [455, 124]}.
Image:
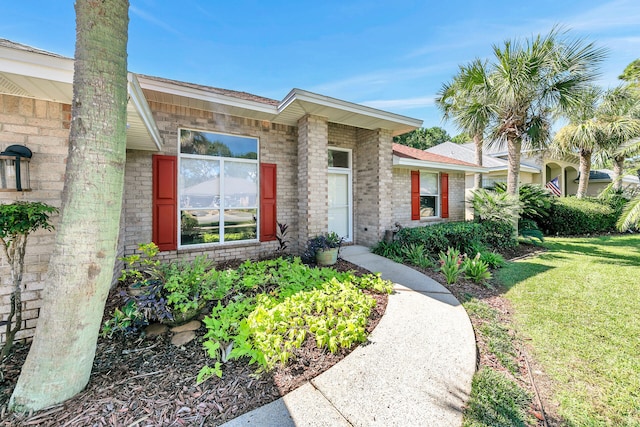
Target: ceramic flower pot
{"type": "Point", "coordinates": [326, 257]}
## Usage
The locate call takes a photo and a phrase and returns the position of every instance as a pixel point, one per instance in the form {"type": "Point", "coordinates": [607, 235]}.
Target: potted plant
{"type": "Point", "coordinates": [324, 248]}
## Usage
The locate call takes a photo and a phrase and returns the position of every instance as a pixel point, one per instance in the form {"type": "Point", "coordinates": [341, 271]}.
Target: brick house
{"type": "Point", "coordinates": [210, 170]}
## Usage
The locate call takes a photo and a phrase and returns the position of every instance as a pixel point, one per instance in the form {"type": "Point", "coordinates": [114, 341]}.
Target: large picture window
{"type": "Point", "coordinates": [429, 195]}
{"type": "Point", "coordinates": [217, 188]}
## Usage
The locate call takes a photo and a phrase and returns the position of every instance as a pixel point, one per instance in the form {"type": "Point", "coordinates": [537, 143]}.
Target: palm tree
{"type": "Point", "coordinates": [620, 117]}
{"type": "Point", "coordinates": [81, 266]}
{"type": "Point", "coordinates": [584, 133]}
{"type": "Point", "coordinates": [466, 100]}
{"type": "Point", "coordinates": [528, 81]}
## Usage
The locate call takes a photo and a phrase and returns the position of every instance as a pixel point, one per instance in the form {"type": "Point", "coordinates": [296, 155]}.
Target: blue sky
{"type": "Point", "coordinates": [389, 54]}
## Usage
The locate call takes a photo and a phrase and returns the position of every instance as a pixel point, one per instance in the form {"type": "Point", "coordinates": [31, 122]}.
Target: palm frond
{"type": "Point", "coordinates": [630, 217]}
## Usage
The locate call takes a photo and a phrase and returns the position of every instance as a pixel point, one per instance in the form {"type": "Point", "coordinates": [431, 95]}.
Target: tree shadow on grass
{"type": "Point", "coordinates": [598, 250]}
{"type": "Point", "coordinates": [524, 270]}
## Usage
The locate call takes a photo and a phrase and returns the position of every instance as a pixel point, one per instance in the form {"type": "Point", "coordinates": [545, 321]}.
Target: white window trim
{"type": "Point", "coordinates": [438, 196]}
{"type": "Point", "coordinates": [349, 172]}
{"type": "Point", "coordinates": [221, 209]}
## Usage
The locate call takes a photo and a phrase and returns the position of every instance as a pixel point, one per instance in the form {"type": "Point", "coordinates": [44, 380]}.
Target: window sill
{"type": "Point", "coordinates": [217, 246]}
{"type": "Point", "coordinates": [432, 219]}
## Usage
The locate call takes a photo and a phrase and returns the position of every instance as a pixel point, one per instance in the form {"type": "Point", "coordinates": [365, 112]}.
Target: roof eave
{"type": "Point", "coordinates": [408, 162]}
{"type": "Point", "coordinates": [136, 96]}
{"type": "Point", "coordinates": [396, 123]}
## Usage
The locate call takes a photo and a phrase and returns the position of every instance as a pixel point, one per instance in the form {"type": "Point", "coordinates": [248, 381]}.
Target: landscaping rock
{"type": "Point", "coordinates": [182, 338]}
{"type": "Point", "coordinates": [194, 325]}
{"type": "Point", "coordinates": [155, 329]}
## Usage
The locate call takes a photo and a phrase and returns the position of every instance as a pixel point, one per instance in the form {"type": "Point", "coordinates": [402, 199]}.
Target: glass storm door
{"type": "Point", "coordinates": [339, 192]}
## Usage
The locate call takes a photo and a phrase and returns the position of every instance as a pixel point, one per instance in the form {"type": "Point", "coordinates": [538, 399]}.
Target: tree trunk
{"type": "Point", "coordinates": [477, 178]}
{"type": "Point", "coordinates": [618, 169]}
{"type": "Point", "coordinates": [585, 170]}
{"type": "Point", "coordinates": [514, 149]}
{"type": "Point", "coordinates": [81, 266]}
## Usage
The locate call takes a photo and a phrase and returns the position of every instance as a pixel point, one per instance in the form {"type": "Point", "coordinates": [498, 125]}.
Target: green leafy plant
{"type": "Point", "coordinates": [535, 200]}
{"type": "Point", "coordinates": [280, 303]}
{"type": "Point", "coordinates": [17, 221]}
{"type": "Point", "coordinates": [451, 265]}
{"type": "Point", "coordinates": [476, 269]}
{"type": "Point", "coordinates": [189, 285]}
{"type": "Point", "coordinates": [140, 267]}
{"type": "Point", "coordinates": [492, 206]}
{"type": "Point", "coordinates": [493, 259]}
{"type": "Point", "coordinates": [125, 320]}
{"type": "Point", "coordinates": [173, 292]}
{"type": "Point", "coordinates": [416, 255]}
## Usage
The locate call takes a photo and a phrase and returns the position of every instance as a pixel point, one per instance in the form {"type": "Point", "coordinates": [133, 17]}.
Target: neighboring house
{"type": "Point", "coordinates": [536, 167]}
{"type": "Point", "coordinates": [210, 171]}
{"type": "Point", "coordinates": [496, 167]}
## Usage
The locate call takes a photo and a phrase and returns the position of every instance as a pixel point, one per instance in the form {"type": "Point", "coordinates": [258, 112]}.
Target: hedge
{"type": "Point", "coordinates": [569, 216]}
{"type": "Point", "coordinates": [460, 235]}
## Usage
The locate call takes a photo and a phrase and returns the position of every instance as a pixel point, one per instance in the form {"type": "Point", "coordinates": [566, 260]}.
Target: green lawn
{"type": "Point", "coordinates": [579, 304]}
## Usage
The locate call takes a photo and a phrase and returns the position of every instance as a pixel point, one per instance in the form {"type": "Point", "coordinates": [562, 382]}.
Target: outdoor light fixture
{"type": "Point", "coordinates": [14, 168]}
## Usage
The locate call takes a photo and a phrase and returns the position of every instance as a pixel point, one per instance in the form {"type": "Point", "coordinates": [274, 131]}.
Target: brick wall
{"type": "Point", "coordinates": [278, 144]}
{"type": "Point", "coordinates": [402, 198]}
{"type": "Point", "coordinates": [44, 128]}
{"type": "Point", "coordinates": [312, 158]}
{"type": "Point", "coordinates": [374, 192]}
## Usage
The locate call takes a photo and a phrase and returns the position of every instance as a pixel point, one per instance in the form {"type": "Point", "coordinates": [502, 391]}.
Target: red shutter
{"type": "Point", "coordinates": [415, 195]}
{"type": "Point", "coordinates": [165, 202]}
{"type": "Point", "coordinates": [268, 211]}
{"type": "Point", "coordinates": [444, 195]}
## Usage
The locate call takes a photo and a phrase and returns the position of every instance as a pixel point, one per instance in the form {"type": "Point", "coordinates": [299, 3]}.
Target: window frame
{"type": "Point", "coordinates": [348, 172]}
{"type": "Point", "coordinates": [221, 208]}
{"type": "Point", "coordinates": [438, 195]}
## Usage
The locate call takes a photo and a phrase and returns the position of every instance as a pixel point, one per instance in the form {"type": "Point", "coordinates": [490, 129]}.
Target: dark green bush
{"type": "Point", "coordinates": [570, 216]}
{"type": "Point", "coordinates": [464, 236]}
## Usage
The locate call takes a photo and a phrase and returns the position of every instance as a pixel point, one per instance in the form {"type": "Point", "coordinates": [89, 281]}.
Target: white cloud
{"type": "Point", "coordinates": [390, 77]}
{"type": "Point", "coordinates": [153, 20]}
{"type": "Point", "coordinates": [611, 15]}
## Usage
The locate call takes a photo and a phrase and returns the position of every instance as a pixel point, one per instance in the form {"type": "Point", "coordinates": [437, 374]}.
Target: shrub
{"type": "Point", "coordinates": [467, 237]}
{"type": "Point", "coordinates": [493, 259]}
{"type": "Point", "coordinates": [437, 238]}
{"type": "Point", "coordinates": [571, 216]}
{"type": "Point", "coordinates": [498, 235]}
{"type": "Point", "coordinates": [476, 269]}
{"type": "Point", "coordinates": [493, 206]}
{"type": "Point", "coordinates": [535, 200]}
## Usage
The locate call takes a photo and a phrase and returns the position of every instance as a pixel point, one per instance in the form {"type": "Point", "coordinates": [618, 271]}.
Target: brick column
{"type": "Point", "coordinates": [373, 192]}
{"type": "Point", "coordinates": [313, 154]}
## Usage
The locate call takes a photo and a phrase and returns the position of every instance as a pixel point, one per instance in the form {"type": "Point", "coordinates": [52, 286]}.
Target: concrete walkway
{"type": "Point", "coordinates": [416, 370]}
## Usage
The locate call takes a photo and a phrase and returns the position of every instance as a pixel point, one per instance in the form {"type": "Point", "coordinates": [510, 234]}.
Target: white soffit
{"type": "Point", "coordinates": [33, 74]}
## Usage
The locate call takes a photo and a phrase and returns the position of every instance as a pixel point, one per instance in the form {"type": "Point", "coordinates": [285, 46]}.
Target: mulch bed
{"type": "Point", "coordinates": [150, 382]}
{"type": "Point", "coordinates": [530, 376]}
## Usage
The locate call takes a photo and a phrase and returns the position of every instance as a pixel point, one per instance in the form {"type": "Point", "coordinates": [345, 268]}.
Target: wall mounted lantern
{"type": "Point", "coordinates": [14, 168]}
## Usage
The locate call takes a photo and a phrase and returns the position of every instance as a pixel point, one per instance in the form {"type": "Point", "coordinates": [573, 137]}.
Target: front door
{"type": "Point", "coordinates": [339, 192]}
